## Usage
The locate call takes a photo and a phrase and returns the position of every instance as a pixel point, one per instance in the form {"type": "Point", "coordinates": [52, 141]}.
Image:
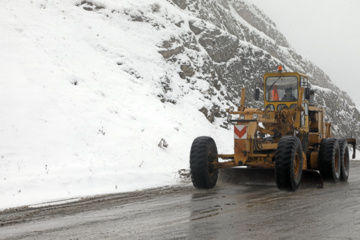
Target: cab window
{"type": "Point", "coordinates": [281, 89]}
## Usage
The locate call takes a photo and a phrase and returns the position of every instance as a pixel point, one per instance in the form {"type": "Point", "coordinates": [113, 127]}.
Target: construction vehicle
{"type": "Point", "coordinates": [288, 135]}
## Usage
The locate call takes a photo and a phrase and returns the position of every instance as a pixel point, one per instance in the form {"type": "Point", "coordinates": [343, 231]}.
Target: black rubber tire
{"type": "Point", "coordinates": [202, 156]}
{"type": "Point", "coordinates": [288, 163]}
{"type": "Point", "coordinates": [345, 160]}
{"type": "Point", "coordinates": [329, 160]}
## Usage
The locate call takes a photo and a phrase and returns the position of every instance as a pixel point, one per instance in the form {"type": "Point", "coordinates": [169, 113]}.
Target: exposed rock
{"type": "Point", "coordinates": [137, 18]}
{"type": "Point", "coordinates": [90, 6]}
{"type": "Point", "coordinates": [181, 3]}
{"type": "Point", "coordinates": [172, 47]}
{"type": "Point", "coordinates": [241, 43]}
{"type": "Point", "coordinates": [188, 70]}
{"type": "Point", "coordinates": [170, 52]}
{"type": "Point", "coordinates": [220, 47]}
{"type": "Point", "coordinates": [182, 75]}
{"type": "Point", "coordinates": [195, 27]}
{"type": "Point", "coordinates": [204, 110]}
{"type": "Point", "coordinates": [179, 24]}
{"type": "Point", "coordinates": [213, 112]}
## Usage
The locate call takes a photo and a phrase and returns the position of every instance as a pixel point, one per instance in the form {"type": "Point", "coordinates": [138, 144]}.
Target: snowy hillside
{"type": "Point", "coordinates": [80, 112]}
{"type": "Point", "coordinates": [90, 88]}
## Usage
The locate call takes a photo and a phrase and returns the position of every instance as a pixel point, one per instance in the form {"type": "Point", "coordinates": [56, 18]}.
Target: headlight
{"type": "Point", "coordinates": [231, 109]}
{"type": "Point", "coordinates": [255, 116]}
{"type": "Point", "coordinates": [242, 116]}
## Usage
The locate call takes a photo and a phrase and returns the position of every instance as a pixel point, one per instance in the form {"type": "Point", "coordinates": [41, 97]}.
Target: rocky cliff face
{"type": "Point", "coordinates": [241, 43]}
{"type": "Point", "coordinates": [217, 47]}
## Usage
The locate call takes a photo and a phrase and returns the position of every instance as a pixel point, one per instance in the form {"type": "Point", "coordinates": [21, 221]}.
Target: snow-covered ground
{"type": "Point", "coordinates": [79, 108]}
{"type": "Point", "coordinates": [80, 112]}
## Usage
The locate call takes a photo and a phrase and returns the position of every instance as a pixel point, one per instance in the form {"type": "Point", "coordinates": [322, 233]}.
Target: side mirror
{"type": "Point", "coordinates": [257, 94]}
{"type": "Point", "coordinates": [307, 93]}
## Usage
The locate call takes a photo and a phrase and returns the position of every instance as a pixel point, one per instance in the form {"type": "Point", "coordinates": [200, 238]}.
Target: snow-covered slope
{"type": "Point", "coordinates": [80, 112]}
{"type": "Point", "coordinates": [90, 88]}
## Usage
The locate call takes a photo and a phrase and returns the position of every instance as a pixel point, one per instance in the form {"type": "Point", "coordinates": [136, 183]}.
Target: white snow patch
{"type": "Point", "coordinates": [315, 87]}
{"type": "Point", "coordinates": [81, 114]}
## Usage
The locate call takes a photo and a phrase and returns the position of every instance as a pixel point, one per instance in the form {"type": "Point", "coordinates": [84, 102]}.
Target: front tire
{"type": "Point", "coordinates": [344, 160]}
{"type": "Point", "coordinates": [288, 163]}
{"type": "Point", "coordinates": [329, 160]}
{"type": "Point", "coordinates": [202, 156]}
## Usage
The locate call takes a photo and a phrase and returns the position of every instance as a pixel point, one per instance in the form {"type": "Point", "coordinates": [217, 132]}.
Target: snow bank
{"type": "Point", "coordinates": [80, 112]}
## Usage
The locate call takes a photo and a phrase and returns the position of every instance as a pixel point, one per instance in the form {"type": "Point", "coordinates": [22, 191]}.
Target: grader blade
{"type": "Point", "coordinates": [266, 176]}
{"type": "Point", "coordinates": [311, 178]}
{"type": "Point", "coordinates": [251, 176]}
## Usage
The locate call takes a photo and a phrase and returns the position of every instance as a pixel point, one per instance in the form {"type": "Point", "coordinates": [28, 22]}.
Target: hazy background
{"type": "Point", "coordinates": [326, 32]}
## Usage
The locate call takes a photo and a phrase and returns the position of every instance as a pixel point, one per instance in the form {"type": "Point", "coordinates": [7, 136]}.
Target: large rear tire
{"type": "Point", "coordinates": [202, 156]}
{"type": "Point", "coordinates": [344, 160]}
{"type": "Point", "coordinates": [288, 163]}
{"type": "Point", "coordinates": [329, 160]}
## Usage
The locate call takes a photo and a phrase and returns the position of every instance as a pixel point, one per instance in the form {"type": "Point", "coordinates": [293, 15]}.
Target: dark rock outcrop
{"type": "Point", "coordinates": [229, 44]}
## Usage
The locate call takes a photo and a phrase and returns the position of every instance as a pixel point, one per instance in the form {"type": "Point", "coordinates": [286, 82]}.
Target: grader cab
{"type": "Point", "coordinates": [288, 135]}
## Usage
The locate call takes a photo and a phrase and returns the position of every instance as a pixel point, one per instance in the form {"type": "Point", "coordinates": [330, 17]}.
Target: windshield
{"type": "Point", "coordinates": [281, 89]}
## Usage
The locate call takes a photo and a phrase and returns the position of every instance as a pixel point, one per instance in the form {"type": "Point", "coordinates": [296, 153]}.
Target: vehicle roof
{"type": "Point", "coordinates": [275, 74]}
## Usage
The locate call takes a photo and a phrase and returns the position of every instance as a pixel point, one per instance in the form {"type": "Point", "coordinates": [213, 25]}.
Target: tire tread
{"type": "Point", "coordinates": [285, 153]}
{"type": "Point", "coordinates": [198, 163]}
{"type": "Point", "coordinates": [329, 147]}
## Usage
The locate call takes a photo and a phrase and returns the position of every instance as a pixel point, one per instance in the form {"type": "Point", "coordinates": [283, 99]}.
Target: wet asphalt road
{"type": "Point", "coordinates": [182, 212]}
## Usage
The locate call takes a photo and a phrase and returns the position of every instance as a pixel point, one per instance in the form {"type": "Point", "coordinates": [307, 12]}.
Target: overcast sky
{"type": "Point", "coordinates": [326, 32]}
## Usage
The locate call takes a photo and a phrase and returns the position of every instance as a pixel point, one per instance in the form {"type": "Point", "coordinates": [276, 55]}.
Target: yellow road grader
{"type": "Point", "coordinates": [288, 135]}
